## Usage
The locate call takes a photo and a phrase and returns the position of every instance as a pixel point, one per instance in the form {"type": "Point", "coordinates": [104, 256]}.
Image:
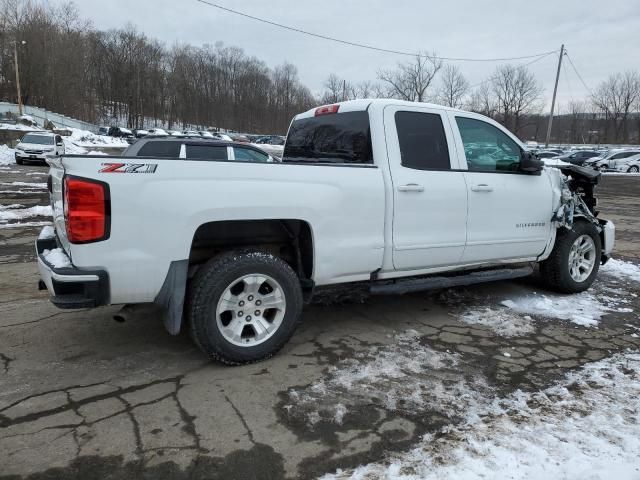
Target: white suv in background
{"type": "Point", "coordinates": [37, 146]}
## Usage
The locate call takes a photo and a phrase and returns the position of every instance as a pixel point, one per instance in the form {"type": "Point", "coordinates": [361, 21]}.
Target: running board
{"type": "Point", "coordinates": [400, 287]}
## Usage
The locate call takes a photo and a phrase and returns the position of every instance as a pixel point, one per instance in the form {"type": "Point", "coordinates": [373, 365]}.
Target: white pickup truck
{"type": "Point", "coordinates": [383, 194]}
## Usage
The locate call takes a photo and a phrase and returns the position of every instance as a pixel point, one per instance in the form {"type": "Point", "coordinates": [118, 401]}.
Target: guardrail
{"type": "Point", "coordinates": [41, 116]}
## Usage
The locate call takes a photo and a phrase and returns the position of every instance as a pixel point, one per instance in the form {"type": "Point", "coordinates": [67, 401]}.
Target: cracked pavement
{"type": "Point", "coordinates": [84, 397]}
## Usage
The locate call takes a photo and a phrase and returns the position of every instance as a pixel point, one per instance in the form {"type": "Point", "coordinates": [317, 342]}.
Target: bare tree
{"type": "Point", "coordinates": [517, 92]}
{"type": "Point", "coordinates": [482, 101]}
{"type": "Point", "coordinates": [411, 80]}
{"type": "Point", "coordinates": [616, 97]}
{"type": "Point", "coordinates": [453, 87]}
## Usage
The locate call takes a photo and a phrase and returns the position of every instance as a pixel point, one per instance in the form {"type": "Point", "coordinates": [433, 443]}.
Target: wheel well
{"type": "Point", "coordinates": [288, 239]}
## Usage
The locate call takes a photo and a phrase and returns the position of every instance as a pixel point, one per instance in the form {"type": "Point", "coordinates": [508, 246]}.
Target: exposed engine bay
{"type": "Point", "coordinates": [577, 197]}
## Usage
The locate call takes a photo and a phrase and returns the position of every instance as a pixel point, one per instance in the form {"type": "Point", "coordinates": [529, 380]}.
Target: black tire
{"type": "Point", "coordinates": [555, 269]}
{"type": "Point", "coordinates": [19, 161]}
{"type": "Point", "coordinates": [210, 283]}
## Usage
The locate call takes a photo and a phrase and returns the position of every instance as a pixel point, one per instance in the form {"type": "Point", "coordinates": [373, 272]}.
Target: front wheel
{"type": "Point", "coordinates": [575, 260]}
{"type": "Point", "coordinates": [19, 161]}
{"type": "Point", "coordinates": [244, 306]}
{"type": "Point", "coordinates": [633, 169]}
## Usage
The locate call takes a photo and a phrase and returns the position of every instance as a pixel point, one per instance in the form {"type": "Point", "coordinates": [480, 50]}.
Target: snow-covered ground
{"type": "Point", "coordinates": [587, 426]}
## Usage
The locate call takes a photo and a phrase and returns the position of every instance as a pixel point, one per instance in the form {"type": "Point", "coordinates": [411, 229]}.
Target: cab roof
{"type": "Point", "coordinates": [365, 103]}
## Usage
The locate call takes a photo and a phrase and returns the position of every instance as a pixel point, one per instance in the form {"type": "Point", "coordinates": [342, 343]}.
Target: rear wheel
{"type": "Point", "coordinates": [633, 169]}
{"type": "Point", "coordinates": [244, 306]}
{"type": "Point", "coordinates": [575, 260]}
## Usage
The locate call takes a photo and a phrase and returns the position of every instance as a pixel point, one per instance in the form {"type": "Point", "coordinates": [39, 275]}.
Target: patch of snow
{"type": "Point", "coordinates": [586, 426]}
{"type": "Point", "coordinates": [47, 233]}
{"type": "Point", "coordinates": [56, 258]}
{"type": "Point", "coordinates": [96, 152]}
{"type": "Point", "coordinates": [84, 138]}
{"type": "Point", "coordinates": [621, 269]}
{"type": "Point", "coordinates": [18, 126]}
{"type": "Point", "coordinates": [25, 184]}
{"type": "Point", "coordinates": [23, 225]}
{"type": "Point", "coordinates": [582, 309]}
{"type": "Point", "coordinates": [7, 155]}
{"type": "Point", "coordinates": [501, 321]}
{"type": "Point", "coordinates": [405, 377]}
{"type": "Point", "coordinates": [10, 213]}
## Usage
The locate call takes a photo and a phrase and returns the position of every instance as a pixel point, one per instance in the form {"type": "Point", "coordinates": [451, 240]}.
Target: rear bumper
{"type": "Point", "coordinates": [71, 287]}
{"type": "Point", "coordinates": [36, 157]}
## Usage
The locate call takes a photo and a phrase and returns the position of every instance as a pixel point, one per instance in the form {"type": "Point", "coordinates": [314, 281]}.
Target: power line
{"type": "Point", "coordinates": [523, 65]}
{"type": "Point", "coordinates": [578, 74]}
{"type": "Point", "coordinates": [369, 47]}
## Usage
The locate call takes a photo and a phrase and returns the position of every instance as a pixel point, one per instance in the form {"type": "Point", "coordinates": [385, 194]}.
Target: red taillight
{"type": "Point", "coordinates": [327, 109]}
{"type": "Point", "coordinates": [86, 210]}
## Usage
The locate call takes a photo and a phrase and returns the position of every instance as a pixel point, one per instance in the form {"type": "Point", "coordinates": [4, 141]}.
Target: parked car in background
{"type": "Point", "coordinates": [578, 157]}
{"type": "Point", "coordinates": [542, 154]}
{"type": "Point", "coordinates": [270, 140]}
{"type": "Point", "coordinates": [236, 137]}
{"type": "Point", "coordinates": [191, 133]}
{"type": "Point", "coordinates": [613, 159]}
{"type": "Point", "coordinates": [103, 131]}
{"type": "Point", "coordinates": [222, 136]}
{"type": "Point", "coordinates": [140, 133]}
{"type": "Point", "coordinates": [120, 132]}
{"type": "Point", "coordinates": [197, 149]}
{"type": "Point", "coordinates": [37, 146]}
{"type": "Point", "coordinates": [632, 165]}
{"type": "Point", "coordinates": [157, 132]}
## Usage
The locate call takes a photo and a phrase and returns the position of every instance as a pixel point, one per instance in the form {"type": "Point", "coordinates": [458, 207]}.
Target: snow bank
{"type": "Point", "coordinates": [56, 258]}
{"type": "Point", "coordinates": [7, 155]}
{"type": "Point", "coordinates": [587, 426]}
{"type": "Point", "coordinates": [84, 138]}
{"type": "Point", "coordinates": [19, 127]}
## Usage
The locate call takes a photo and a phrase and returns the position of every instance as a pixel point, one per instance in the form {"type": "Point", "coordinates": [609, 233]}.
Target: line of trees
{"type": "Point", "coordinates": [512, 95]}
{"type": "Point", "coordinates": [123, 77]}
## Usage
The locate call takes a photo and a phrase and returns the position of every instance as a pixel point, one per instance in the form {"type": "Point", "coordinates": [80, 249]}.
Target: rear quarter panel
{"type": "Point", "coordinates": [155, 215]}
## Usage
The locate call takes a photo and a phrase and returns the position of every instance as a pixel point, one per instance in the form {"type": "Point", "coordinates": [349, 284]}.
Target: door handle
{"type": "Point", "coordinates": [411, 187]}
{"type": "Point", "coordinates": [483, 187]}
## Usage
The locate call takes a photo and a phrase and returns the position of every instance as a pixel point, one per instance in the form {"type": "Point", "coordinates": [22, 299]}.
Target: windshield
{"type": "Point", "coordinates": [37, 139]}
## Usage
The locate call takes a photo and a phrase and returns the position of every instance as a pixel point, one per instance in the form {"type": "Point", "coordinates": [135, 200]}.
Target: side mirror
{"type": "Point", "coordinates": [530, 164]}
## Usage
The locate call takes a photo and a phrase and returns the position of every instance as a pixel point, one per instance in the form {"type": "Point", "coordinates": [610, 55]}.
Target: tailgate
{"type": "Point", "coordinates": [55, 185]}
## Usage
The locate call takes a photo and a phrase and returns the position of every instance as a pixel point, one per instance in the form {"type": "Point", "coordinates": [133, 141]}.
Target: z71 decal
{"type": "Point", "coordinates": [128, 168]}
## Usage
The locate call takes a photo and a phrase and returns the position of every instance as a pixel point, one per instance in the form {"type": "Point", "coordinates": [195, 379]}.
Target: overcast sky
{"type": "Point", "coordinates": [601, 36]}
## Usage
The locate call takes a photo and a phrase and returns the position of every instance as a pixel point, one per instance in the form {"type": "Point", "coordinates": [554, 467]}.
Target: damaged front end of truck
{"type": "Point", "coordinates": [578, 201]}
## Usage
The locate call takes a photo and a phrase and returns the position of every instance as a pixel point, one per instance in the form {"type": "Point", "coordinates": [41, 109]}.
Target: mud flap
{"type": "Point", "coordinates": [171, 295]}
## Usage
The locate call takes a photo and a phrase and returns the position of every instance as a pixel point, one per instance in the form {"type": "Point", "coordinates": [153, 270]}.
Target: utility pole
{"type": "Point", "coordinates": [553, 101]}
{"type": "Point", "coordinates": [344, 90]}
{"type": "Point", "coordinates": [15, 58]}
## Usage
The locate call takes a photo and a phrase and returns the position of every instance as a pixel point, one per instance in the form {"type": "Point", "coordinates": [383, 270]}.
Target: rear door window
{"type": "Point", "coordinates": [206, 152]}
{"type": "Point", "coordinates": [160, 150]}
{"type": "Point", "coordinates": [332, 138]}
{"type": "Point", "coordinates": [423, 142]}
